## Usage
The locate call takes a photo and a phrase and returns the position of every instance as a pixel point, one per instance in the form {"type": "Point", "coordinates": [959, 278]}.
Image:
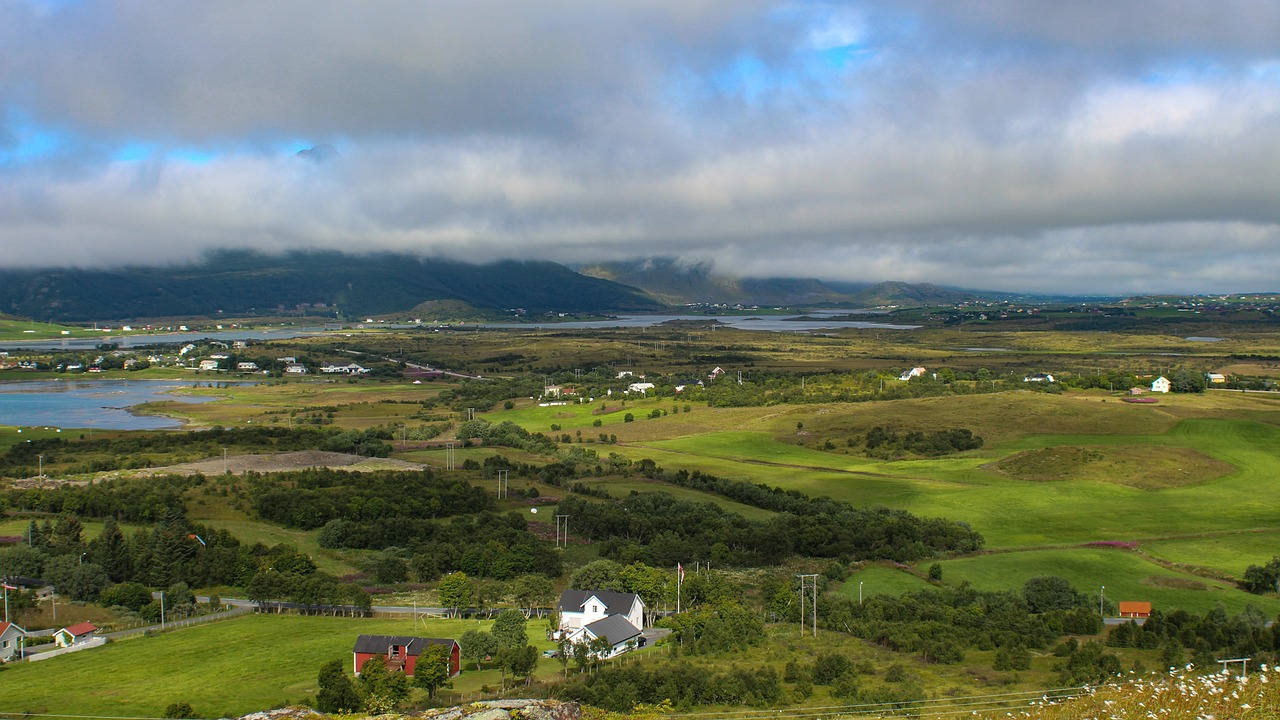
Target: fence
{"type": "Point", "coordinates": [95, 642]}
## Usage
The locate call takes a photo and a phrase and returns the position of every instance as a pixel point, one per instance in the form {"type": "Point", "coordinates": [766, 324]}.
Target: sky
{"type": "Point", "coordinates": [1086, 147]}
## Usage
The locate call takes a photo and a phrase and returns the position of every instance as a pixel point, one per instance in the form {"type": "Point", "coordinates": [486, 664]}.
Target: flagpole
{"type": "Point", "coordinates": [679, 582]}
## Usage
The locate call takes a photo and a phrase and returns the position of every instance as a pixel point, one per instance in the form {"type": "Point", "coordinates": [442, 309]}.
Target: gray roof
{"type": "Point", "coordinates": [614, 602]}
{"type": "Point", "coordinates": [378, 644]}
{"type": "Point", "coordinates": [615, 627]}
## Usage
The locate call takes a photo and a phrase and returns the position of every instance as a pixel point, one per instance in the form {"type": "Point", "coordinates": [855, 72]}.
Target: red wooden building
{"type": "Point", "coordinates": [401, 652]}
{"type": "Point", "coordinates": [1134, 609]}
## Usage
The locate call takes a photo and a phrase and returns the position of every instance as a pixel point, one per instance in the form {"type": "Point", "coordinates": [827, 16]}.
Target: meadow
{"type": "Point", "coordinates": [223, 669]}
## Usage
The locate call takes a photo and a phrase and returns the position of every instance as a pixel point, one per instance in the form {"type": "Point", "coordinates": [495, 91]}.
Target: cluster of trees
{"type": "Point", "coordinates": [620, 688]}
{"type": "Point", "coordinates": [505, 645]}
{"type": "Point", "coordinates": [1181, 636]}
{"type": "Point", "coordinates": [485, 544]}
{"type": "Point", "coordinates": [138, 449]}
{"type": "Point", "coordinates": [888, 444]}
{"type": "Point", "coordinates": [659, 529]}
{"type": "Point", "coordinates": [308, 499]}
{"type": "Point", "coordinates": [506, 434]}
{"type": "Point", "coordinates": [940, 624]}
{"type": "Point", "coordinates": [1260, 579]}
{"type": "Point", "coordinates": [172, 556]}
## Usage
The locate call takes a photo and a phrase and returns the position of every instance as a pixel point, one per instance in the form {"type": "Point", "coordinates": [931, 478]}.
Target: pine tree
{"type": "Point", "coordinates": [111, 551]}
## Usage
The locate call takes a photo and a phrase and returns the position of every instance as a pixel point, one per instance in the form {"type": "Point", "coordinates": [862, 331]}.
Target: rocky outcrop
{"type": "Point", "coordinates": [487, 710]}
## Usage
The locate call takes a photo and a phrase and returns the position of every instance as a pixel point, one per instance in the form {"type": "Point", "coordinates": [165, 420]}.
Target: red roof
{"type": "Point", "coordinates": [79, 629]}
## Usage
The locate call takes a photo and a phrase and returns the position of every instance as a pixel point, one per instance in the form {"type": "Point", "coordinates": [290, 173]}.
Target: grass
{"type": "Point", "coordinates": [1126, 575]}
{"type": "Point", "coordinates": [881, 580]}
{"type": "Point", "coordinates": [223, 669]}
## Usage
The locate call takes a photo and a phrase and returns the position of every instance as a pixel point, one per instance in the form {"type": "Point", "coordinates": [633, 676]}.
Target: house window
{"type": "Point", "coordinates": [595, 609]}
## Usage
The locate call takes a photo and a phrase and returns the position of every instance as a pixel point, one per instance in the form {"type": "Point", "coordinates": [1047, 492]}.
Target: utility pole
{"type": "Point", "coordinates": [562, 521]}
{"type": "Point", "coordinates": [448, 457]}
{"type": "Point", "coordinates": [40, 465]}
{"type": "Point", "coordinates": [161, 609]}
{"type": "Point", "coordinates": [503, 484]}
{"type": "Point", "coordinates": [807, 582]}
{"type": "Point", "coordinates": [224, 461]}
{"type": "Point", "coordinates": [1101, 594]}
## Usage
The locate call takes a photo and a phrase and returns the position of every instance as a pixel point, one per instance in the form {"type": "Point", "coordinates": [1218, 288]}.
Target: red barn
{"type": "Point", "coordinates": [1134, 609]}
{"type": "Point", "coordinates": [401, 652]}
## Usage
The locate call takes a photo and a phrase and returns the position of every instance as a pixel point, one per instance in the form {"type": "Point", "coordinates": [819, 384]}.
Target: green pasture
{"type": "Point", "coordinates": [1012, 511]}
{"type": "Point", "coordinates": [1229, 552]}
{"type": "Point", "coordinates": [881, 580]}
{"type": "Point", "coordinates": [1126, 575]}
{"type": "Point", "coordinates": [223, 669]}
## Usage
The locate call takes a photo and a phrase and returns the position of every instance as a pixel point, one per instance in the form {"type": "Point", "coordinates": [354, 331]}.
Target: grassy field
{"type": "Point", "coordinates": [1126, 575]}
{"type": "Point", "coordinates": [223, 669]}
{"type": "Point", "coordinates": [880, 580]}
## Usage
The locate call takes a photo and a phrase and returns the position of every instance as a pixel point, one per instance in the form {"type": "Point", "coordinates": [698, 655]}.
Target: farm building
{"type": "Point", "coordinates": [401, 652]}
{"type": "Point", "coordinates": [11, 638]}
{"type": "Point", "coordinates": [72, 634]}
{"type": "Point", "coordinates": [620, 633]}
{"type": "Point", "coordinates": [586, 615]}
{"type": "Point", "coordinates": [579, 608]}
{"type": "Point", "coordinates": [1160, 384]}
{"type": "Point", "coordinates": [913, 372]}
{"type": "Point", "coordinates": [1134, 609]}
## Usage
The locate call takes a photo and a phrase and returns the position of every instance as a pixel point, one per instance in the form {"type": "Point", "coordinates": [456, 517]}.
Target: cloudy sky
{"type": "Point", "coordinates": [1094, 146]}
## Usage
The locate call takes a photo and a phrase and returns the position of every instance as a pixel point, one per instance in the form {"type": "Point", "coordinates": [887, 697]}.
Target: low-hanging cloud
{"type": "Point", "coordinates": [736, 133]}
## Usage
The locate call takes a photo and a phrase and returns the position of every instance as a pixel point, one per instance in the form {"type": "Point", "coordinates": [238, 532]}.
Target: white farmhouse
{"type": "Point", "coordinates": [1160, 385]}
{"type": "Point", "coordinates": [586, 615]}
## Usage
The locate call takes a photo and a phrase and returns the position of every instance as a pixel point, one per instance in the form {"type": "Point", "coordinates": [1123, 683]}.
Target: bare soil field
{"type": "Point", "coordinates": [278, 462]}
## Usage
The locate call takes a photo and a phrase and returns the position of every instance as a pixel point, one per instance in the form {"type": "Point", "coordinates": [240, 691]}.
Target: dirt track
{"type": "Point", "coordinates": [278, 462]}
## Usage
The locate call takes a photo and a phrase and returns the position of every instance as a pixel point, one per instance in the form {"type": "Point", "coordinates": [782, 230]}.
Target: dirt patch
{"type": "Point", "coordinates": [43, 483]}
{"type": "Point", "coordinates": [283, 462]}
{"type": "Point", "coordinates": [1143, 467]}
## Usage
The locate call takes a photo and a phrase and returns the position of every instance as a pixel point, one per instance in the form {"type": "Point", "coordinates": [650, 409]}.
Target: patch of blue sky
{"type": "Point", "coordinates": [1187, 71]}
{"type": "Point", "coordinates": [23, 141]}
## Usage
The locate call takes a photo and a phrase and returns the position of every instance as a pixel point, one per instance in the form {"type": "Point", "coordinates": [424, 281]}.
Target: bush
{"type": "Point", "coordinates": [179, 710]}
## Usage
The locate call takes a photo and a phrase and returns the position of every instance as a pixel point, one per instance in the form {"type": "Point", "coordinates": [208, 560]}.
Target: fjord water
{"type": "Point", "coordinates": [100, 404]}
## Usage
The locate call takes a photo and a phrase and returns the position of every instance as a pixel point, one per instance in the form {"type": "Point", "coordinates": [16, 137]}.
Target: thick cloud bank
{"type": "Point", "coordinates": [1082, 147]}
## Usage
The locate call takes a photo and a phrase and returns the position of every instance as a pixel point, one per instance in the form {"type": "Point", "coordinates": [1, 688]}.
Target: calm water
{"type": "Point", "coordinates": [99, 404]}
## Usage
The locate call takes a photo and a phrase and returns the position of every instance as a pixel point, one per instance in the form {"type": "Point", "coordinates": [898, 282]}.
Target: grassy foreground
{"type": "Point", "coordinates": [223, 669]}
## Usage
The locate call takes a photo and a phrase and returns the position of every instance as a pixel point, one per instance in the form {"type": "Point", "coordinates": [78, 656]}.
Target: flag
{"type": "Point", "coordinates": [680, 571]}
{"type": "Point", "coordinates": [7, 586]}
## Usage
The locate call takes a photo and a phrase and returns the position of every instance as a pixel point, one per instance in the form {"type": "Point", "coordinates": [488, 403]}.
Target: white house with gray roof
{"type": "Point", "coordinates": [586, 615]}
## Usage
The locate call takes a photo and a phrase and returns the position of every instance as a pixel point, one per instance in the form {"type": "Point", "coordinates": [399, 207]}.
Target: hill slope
{"type": "Point", "coordinates": [245, 283]}
{"type": "Point", "coordinates": [676, 282]}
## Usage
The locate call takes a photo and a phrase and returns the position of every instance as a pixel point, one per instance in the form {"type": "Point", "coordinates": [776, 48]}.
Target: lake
{"type": "Point", "coordinates": [101, 404]}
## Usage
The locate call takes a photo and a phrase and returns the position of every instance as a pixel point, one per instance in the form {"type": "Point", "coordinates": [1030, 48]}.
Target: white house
{"type": "Point", "coordinates": [642, 388]}
{"type": "Point", "coordinates": [72, 634]}
{"type": "Point", "coordinates": [11, 639]}
{"type": "Point", "coordinates": [349, 369]}
{"type": "Point", "coordinates": [295, 369]}
{"type": "Point", "coordinates": [621, 635]}
{"type": "Point", "coordinates": [1160, 385]}
{"type": "Point", "coordinates": [1038, 377]}
{"type": "Point", "coordinates": [589, 614]}
{"type": "Point", "coordinates": [208, 364]}
{"type": "Point", "coordinates": [246, 366]}
{"type": "Point", "coordinates": [1216, 378]}
{"type": "Point", "coordinates": [913, 372]}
